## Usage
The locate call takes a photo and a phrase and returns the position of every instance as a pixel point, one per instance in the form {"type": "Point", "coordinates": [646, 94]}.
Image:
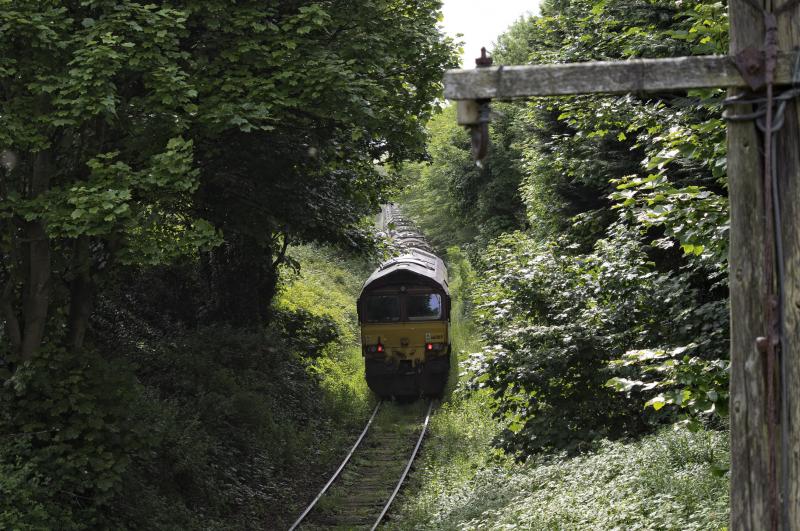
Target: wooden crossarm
{"type": "Point", "coordinates": [609, 77]}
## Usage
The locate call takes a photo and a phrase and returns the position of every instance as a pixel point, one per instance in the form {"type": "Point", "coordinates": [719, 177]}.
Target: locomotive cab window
{"type": "Point", "coordinates": [424, 307]}
{"type": "Point", "coordinates": [382, 308]}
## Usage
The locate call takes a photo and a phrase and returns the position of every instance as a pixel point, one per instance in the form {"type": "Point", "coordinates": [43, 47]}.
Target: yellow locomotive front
{"type": "Point", "coordinates": [404, 311]}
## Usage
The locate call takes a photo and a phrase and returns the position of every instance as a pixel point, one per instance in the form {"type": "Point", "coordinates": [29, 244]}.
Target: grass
{"type": "Point", "coordinates": [667, 480]}
{"type": "Point", "coordinates": [664, 481]}
{"type": "Point", "coordinates": [326, 287]}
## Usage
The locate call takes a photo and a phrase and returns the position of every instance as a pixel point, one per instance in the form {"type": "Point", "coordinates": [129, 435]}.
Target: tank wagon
{"type": "Point", "coordinates": [404, 314]}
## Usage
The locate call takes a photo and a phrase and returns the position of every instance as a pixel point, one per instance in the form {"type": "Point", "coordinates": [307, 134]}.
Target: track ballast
{"type": "Point", "coordinates": [361, 491]}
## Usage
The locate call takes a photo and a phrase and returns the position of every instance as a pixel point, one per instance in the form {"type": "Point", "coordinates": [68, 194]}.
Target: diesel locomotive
{"type": "Point", "coordinates": [404, 315]}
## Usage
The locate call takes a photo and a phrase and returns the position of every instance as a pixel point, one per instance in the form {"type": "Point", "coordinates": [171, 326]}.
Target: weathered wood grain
{"type": "Point", "coordinates": [789, 180]}
{"type": "Point", "coordinates": [749, 458]}
{"type": "Point", "coordinates": [610, 77]}
{"type": "Point", "coordinates": [750, 503]}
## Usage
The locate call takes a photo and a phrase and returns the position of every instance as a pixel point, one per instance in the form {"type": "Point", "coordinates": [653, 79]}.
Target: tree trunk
{"type": "Point", "coordinates": [36, 291]}
{"type": "Point", "coordinates": [10, 316]}
{"type": "Point", "coordinates": [9, 274]}
{"type": "Point", "coordinates": [750, 448]}
{"type": "Point", "coordinates": [81, 292]}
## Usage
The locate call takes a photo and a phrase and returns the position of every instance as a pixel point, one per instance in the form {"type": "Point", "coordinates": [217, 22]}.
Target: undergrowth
{"type": "Point", "coordinates": [325, 290]}
{"type": "Point", "coordinates": [664, 481]}
{"type": "Point", "coordinates": [165, 425]}
{"type": "Point", "coordinates": [673, 479]}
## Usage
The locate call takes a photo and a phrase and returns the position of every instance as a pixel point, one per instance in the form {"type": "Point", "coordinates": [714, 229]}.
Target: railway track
{"type": "Point", "coordinates": [361, 491]}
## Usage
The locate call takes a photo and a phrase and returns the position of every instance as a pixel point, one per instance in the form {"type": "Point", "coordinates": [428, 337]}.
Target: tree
{"type": "Point", "coordinates": [458, 202]}
{"type": "Point", "coordinates": [678, 135]}
{"type": "Point", "coordinates": [298, 102]}
{"type": "Point", "coordinates": [126, 124]}
{"type": "Point", "coordinates": [93, 107]}
{"type": "Point", "coordinates": [622, 272]}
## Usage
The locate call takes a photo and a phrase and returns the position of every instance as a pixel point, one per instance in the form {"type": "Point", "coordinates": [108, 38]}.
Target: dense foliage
{"type": "Point", "coordinates": [672, 479]}
{"type": "Point", "coordinates": [213, 428]}
{"type": "Point", "coordinates": [553, 320]}
{"type": "Point", "coordinates": [158, 160]}
{"type": "Point", "coordinates": [171, 358]}
{"type": "Point", "coordinates": [614, 296]}
{"type": "Point", "coordinates": [460, 202]}
{"type": "Point", "coordinates": [133, 133]}
{"type": "Point", "coordinates": [288, 136]}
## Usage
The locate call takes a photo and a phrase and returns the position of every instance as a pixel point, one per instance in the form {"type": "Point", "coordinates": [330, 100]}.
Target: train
{"type": "Point", "coordinates": [404, 316]}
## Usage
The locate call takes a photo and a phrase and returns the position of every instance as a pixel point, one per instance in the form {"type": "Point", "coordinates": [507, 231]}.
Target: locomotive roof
{"type": "Point", "coordinates": [414, 262]}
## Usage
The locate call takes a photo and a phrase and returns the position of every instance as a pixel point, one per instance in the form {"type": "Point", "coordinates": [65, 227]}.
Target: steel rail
{"type": "Point", "coordinates": [338, 470]}
{"type": "Point", "coordinates": [408, 467]}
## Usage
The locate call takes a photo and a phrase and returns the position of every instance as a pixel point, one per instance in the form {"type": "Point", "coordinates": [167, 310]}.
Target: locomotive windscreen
{"type": "Point", "coordinates": [425, 307]}
{"type": "Point", "coordinates": [382, 308]}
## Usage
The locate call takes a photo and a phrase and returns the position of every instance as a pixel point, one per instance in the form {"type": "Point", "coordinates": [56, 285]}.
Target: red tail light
{"type": "Point", "coordinates": [429, 346]}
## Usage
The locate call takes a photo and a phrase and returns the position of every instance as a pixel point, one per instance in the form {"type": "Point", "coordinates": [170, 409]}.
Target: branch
{"type": "Point", "coordinates": [282, 254]}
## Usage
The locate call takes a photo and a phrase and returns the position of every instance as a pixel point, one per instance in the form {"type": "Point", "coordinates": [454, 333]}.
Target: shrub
{"type": "Point", "coordinates": [553, 321]}
{"type": "Point", "coordinates": [68, 438]}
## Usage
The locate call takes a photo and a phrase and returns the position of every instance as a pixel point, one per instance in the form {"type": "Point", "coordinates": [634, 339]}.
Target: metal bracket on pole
{"type": "Point", "coordinates": [475, 115]}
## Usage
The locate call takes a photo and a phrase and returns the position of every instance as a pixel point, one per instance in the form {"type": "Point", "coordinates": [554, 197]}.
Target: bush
{"type": "Point", "coordinates": [553, 321]}
{"type": "Point", "coordinates": [68, 440]}
{"type": "Point", "coordinates": [248, 420]}
{"type": "Point", "coordinates": [232, 413]}
{"type": "Point", "coordinates": [674, 479]}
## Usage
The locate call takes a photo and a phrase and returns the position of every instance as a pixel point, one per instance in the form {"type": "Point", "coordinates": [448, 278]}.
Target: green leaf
{"type": "Point", "coordinates": [656, 403]}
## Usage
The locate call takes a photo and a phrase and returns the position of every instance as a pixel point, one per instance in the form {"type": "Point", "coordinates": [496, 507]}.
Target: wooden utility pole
{"type": "Point", "coordinates": [753, 505]}
{"type": "Point", "coordinates": [750, 445]}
